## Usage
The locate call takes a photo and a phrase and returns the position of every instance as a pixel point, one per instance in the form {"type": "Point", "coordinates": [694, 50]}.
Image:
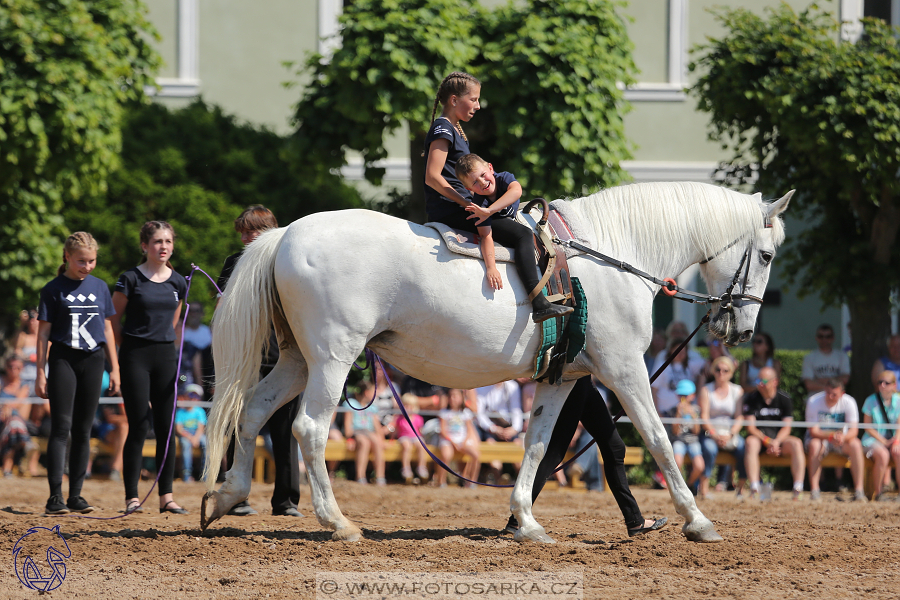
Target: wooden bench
{"type": "Point", "coordinates": [832, 460]}
{"type": "Point", "coordinates": [505, 452]}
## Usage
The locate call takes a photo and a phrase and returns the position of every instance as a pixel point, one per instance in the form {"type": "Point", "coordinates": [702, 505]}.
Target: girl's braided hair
{"type": "Point", "coordinates": [80, 240]}
{"type": "Point", "coordinates": [454, 84]}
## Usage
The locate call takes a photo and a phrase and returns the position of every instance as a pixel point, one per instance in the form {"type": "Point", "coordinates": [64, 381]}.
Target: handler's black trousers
{"type": "Point", "coordinates": [585, 404]}
{"type": "Point", "coordinates": [287, 461]}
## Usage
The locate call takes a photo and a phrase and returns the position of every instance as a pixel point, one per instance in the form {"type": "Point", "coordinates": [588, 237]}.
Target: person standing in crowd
{"type": "Point", "coordinates": [74, 332]}
{"type": "Point", "coordinates": [25, 347]}
{"type": "Point", "coordinates": [149, 299]}
{"type": "Point", "coordinates": [889, 362]}
{"type": "Point", "coordinates": [838, 418]}
{"type": "Point", "coordinates": [286, 453]}
{"type": "Point", "coordinates": [763, 347]}
{"type": "Point", "coordinates": [768, 403]}
{"type": "Point", "coordinates": [881, 444]}
{"type": "Point", "coordinates": [824, 363]}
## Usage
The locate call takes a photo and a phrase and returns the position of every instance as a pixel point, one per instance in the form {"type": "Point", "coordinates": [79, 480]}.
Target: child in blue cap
{"type": "Point", "coordinates": [686, 437]}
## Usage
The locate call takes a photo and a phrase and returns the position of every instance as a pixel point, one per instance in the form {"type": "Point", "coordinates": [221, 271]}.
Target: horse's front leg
{"type": "Point", "coordinates": [286, 381]}
{"type": "Point", "coordinates": [548, 403]}
{"type": "Point", "coordinates": [633, 390]}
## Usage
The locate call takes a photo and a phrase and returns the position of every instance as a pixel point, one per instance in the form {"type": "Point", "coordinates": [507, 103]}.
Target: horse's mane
{"type": "Point", "coordinates": [653, 220]}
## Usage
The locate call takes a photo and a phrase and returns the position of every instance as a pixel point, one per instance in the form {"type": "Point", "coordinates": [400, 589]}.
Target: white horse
{"type": "Point", "coordinates": [335, 283]}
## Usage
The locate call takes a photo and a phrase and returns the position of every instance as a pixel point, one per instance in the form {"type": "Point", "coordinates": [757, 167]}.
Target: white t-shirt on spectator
{"type": "Point", "coordinates": [834, 418]}
{"type": "Point", "coordinates": [504, 398]}
{"type": "Point", "coordinates": [817, 365]}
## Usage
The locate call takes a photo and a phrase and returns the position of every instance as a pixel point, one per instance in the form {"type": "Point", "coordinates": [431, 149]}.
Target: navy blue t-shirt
{"type": "Point", "coordinates": [503, 179]}
{"type": "Point", "coordinates": [151, 305]}
{"type": "Point", "coordinates": [436, 205]}
{"type": "Point", "coordinates": [77, 311]}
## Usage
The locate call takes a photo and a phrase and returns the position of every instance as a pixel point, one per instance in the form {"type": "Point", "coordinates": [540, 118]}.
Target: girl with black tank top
{"type": "Point", "coordinates": [149, 298]}
{"type": "Point", "coordinates": [447, 200]}
{"type": "Point", "coordinates": [74, 321]}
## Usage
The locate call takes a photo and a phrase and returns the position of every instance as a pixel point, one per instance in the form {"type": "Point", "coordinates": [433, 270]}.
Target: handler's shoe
{"type": "Point", "coordinates": [79, 505]}
{"type": "Point", "coordinates": [242, 509]}
{"type": "Point", "coordinates": [55, 506]}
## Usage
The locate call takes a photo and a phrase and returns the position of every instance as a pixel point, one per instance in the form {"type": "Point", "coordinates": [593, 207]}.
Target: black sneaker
{"type": "Point", "coordinates": [55, 506]}
{"type": "Point", "coordinates": [79, 505]}
{"type": "Point", "coordinates": [242, 509]}
{"type": "Point", "coordinates": [551, 311]}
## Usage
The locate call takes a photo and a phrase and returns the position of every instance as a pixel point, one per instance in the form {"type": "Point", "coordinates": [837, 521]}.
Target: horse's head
{"type": "Point", "coordinates": [739, 275]}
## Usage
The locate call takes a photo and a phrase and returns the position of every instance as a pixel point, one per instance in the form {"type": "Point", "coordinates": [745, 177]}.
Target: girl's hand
{"type": "Point", "coordinates": [478, 213]}
{"type": "Point", "coordinates": [114, 383]}
{"type": "Point", "coordinates": [493, 279]}
{"type": "Point", "coordinates": [40, 385]}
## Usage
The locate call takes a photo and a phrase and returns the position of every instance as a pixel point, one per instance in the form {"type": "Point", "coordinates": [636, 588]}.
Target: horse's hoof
{"type": "Point", "coordinates": [210, 510]}
{"type": "Point", "coordinates": [533, 535]}
{"type": "Point", "coordinates": [704, 533]}
{"type": "Point", "coordinates": [347, 534]}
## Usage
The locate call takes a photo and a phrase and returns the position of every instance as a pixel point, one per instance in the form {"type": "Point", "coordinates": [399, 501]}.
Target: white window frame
{"type": "Point", "coordinates": [187, 82]}
{"type": "Point", "coordinates": [671, 90]}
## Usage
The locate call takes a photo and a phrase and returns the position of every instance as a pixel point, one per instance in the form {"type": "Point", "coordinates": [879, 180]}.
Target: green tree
{"type": "Point", "coordinates": [67, 67]}
{"type": "Point", "coordinates": [197, 168]}
{"type": "Point", "coordinates": [551, 108]}
{"type": "Point", "coordinates": [802, 109]}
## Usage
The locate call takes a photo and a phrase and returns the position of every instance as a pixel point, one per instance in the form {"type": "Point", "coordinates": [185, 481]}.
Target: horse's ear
{"type": "Point", "coordinates": [779, 206]}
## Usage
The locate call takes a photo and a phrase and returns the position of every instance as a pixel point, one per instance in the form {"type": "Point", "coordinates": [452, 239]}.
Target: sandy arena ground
{"type": "Point", "coordinates": [779, 549]}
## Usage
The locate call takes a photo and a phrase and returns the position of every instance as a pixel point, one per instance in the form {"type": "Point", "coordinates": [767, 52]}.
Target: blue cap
{"type": "Point", "coordinates": [685, 387]}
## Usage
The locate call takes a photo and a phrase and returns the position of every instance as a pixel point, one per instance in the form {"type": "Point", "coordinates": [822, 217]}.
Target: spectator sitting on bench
{"type": "Point", "coordinates": [458, 435]}
{"type": "Point", "coordinates": [768, 403]}
{"type": "Point", "coordinates": [364, 432]}
{"type": "Point", "coordinates": [686, 437]}
{"type": "Point", "coordinates": [839, 418]}
{"type": "Point", "coordinates": [499, 417]}
{"type": "Point", "coordinates": [882, 444]}
{"type": "Point", "coordinates": [406, 437]}
{"type": "Point", "coordinates": [190, 425]}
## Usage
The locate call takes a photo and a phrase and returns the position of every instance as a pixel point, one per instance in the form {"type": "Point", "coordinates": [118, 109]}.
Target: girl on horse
{"type": "Point", "coordinates": [448, 201]}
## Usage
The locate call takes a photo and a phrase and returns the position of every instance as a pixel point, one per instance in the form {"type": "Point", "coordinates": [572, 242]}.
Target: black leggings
{"type": "Point", "coordinates": [510, 233]}
{"type": "Point", "coordinates": [148, 375]}
{"type": "Point", "coordinates": [585, 404]}
{"type": "Point", "coordinates": [73, 389]}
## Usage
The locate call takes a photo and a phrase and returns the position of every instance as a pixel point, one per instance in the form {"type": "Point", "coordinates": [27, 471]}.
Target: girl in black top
{"type": "Point", "coordinates": [149, 297]}
{"type": "Point", "coordinates": [74, 314]}
{"type": "Point", "coordinates": [447, 200]}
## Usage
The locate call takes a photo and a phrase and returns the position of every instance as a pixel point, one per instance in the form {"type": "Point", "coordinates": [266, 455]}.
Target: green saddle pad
{"type": "Point", "coordinates": [575, 326]}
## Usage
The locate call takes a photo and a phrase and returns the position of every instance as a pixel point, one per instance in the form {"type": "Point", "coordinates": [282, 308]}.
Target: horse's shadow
{"type": "Point", "coordinates": [471, 533]}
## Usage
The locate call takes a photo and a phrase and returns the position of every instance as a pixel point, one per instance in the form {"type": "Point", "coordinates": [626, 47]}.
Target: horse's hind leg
{"type": "Point", "coordinates": [326, 383]}
{"type": "Point", "coordinates": [286, 381]}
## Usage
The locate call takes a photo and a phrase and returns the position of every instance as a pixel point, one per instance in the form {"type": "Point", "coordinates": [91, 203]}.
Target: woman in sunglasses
{"type": "Point", "coordinates": [880, 444]}
{"type": "Point", "coordinates": [720, 402]}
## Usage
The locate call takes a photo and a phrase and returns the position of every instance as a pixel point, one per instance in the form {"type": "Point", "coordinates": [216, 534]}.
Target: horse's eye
{"type": "Point", "coordinates": [766, 257]}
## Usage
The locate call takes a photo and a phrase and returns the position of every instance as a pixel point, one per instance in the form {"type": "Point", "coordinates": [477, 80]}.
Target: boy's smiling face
{"type": "Point", "coordinates": [481, 181]}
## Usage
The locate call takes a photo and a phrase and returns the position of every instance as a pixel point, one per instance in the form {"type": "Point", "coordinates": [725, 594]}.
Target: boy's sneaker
{"type": "Point", "coordinates": [55, 506]}
{"type": "Point", "coordinates": [79, 505]}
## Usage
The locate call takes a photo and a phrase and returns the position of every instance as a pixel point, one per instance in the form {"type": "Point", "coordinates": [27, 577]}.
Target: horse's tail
{"type": "Point", "coordinates": [241, 328]}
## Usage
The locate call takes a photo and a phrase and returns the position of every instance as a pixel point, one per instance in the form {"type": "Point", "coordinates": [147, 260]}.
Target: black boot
{"type": "Point", "coordinates": [543, 310]}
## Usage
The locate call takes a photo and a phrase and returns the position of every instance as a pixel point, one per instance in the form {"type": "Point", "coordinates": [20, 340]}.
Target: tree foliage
{"type": "Point", "coordinates": [67, 67]}
{"type": "Point", "coordinates": [804, 110]}
{"type": "Point", "coordinates": [197, 168]}
{"type": "Point", "coordinates": [551, 107]}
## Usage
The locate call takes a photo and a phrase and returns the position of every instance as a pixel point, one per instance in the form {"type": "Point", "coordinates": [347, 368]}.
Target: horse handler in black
{"type": "Point", "coordinates": [252, 222]}
{"type": "Point", "coordinates": [585, 404]}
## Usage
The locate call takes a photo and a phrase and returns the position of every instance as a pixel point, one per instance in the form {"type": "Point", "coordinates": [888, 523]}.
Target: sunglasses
{"type": "Point", "coordinates": [885, 382]}
{"type": "Point", "coordinates": [721, 370]}
{"type": "Point", "coordinates": [762, 381]}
